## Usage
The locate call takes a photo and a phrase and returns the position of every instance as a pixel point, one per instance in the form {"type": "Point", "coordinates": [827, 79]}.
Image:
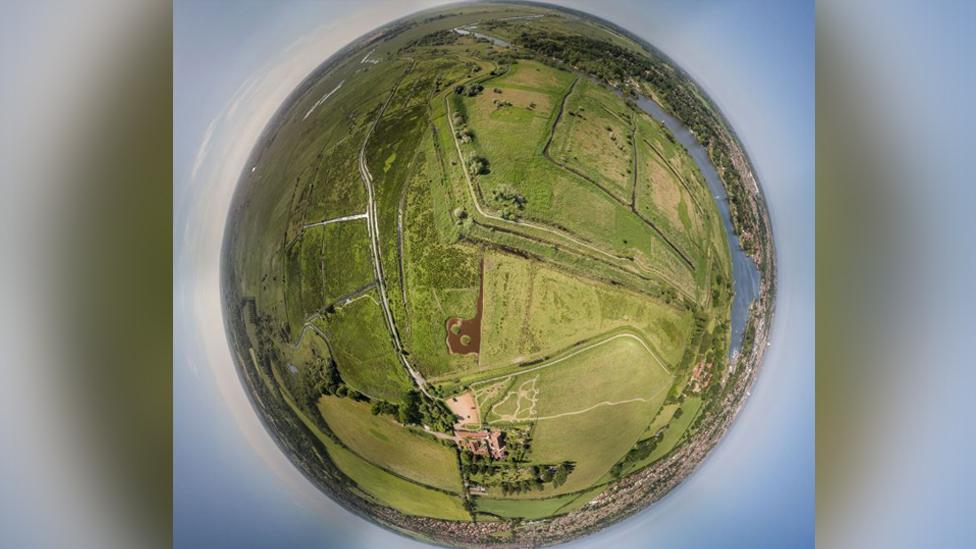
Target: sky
{"type": "Point", "coordinates": [235, 62]}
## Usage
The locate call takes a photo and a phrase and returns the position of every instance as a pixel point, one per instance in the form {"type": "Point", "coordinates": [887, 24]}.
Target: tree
{"type": "Point", "coordinates": [478, 165]}
{"type": "Point", "coordinates": [409, 412]}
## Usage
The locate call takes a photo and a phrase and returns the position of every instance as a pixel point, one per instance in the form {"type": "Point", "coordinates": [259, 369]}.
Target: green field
{"type": "Point", "coordinates": [594, 136]}
{"type": "Point", "coordinates": [534, 509]}
{"type": "Point", "coordinates": [609, 372]}
{"type": "Point", "coordinates": [345, 259]}
{"type": "Point", "coordinates": [532, 311]}
{"type": "Point", "coordinates": [589, 406]}
{"type": "Point", "coordinates": [407, 497]}
{"type": "Point", "coordinates": [676, 429]}
{"type": "Point", "coordinates": [386, 443]}
{"type": "Point", "coordinates": [441, 274]}
{"type": "Point", "coordinates": [363, 351]}
{"type": "Point", "coordinates": [403, 495]}
{"type": "Point", "coordinates": [514, 145]}
{"type": "Point", "coordinates": [598, 247]}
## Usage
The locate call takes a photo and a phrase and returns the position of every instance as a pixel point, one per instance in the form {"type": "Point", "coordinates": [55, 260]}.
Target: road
{"type": "Point", "coordinates": [374, 240]}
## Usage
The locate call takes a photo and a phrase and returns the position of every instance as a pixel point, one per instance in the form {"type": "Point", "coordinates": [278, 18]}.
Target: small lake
{"type": "Point", "coordinates": [745, 273]}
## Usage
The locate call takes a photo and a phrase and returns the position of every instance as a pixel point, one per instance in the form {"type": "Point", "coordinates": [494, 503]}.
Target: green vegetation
{"type": "Point", "coordinates": [594, 137]}
{"type": "Point", "coordinates": [619, 64]}
{"type": "Point", "coordinates": [529, 509]}
{"type": "Point", "coordinates": [531, 311]}
{"type": "Point", "coordinates": [364, 354]}
{"type": "Point", "coordinates": [345, 259]}
{"type": "Point", "coordinates": [387, 444]}
{"type": "Point", "coordinates": [519, 189]}
{"type": "Point", "coordinates": [403, 495]}
{"type": "Point", "coordinates": [649, 450]}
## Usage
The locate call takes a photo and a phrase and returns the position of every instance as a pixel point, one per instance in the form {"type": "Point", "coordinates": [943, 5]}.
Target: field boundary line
{"type": "Point", "coordinates": [576, 352]}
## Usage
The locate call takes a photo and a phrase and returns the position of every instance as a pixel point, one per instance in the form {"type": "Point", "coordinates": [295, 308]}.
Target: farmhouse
{"type": "Point", "coordinates": [483, 443]}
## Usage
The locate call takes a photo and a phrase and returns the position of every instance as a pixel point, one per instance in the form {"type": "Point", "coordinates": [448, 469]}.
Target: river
{"type": "Point", "coordinates": [745, 274]}
{"type": "Point", "coordinates": [469, 29]}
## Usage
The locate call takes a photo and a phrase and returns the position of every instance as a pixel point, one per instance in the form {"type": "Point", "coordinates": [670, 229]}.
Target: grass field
{"type": "Point", "coordinates": [661, 420]}
{"type": "Point", "coordinates": [383, 442]}
{"type": "Point", "coordinates": [400, 494]}
{"type": "Point", "coordinates": [664, 189]}
{"type": "Point", "coordinates": [405, 496]}
{"type": "Point", "coordinates": [442, 276]}
{"type": "Point", "coordinates": [529, 509]}
{"type": "Point", "coordinates": [608, 372]}
{"type": "Point", "coordinates": [363, 350]}
{"type": "Point", "coordinates": [594, 137]}
{"type": "Point", "coordinates": [345, 259]}
{"type": "Point", "coordinates": [514, 142]}
{"type": "Point", "coordinates": [532, 310]}
{"type": "Point", "coordinates": [589, 406]}
{"type": "Point", "coordinates": [676, 429]}
{"type": "Point", "coordinates": [310, 347]}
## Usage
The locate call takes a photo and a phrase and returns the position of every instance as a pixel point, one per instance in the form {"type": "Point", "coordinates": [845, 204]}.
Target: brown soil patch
{"type": "Point", "coordinates": [465, 407]}
{"type": "Point", "coordinates": [470, 327]}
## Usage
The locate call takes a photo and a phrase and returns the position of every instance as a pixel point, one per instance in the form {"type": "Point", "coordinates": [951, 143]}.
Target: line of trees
{"type": "Point", "coordinates": [417, 409]}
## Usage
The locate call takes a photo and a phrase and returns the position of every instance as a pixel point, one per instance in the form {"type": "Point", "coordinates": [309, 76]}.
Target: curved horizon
{"type": "Point", "coordinates": [203, 196]}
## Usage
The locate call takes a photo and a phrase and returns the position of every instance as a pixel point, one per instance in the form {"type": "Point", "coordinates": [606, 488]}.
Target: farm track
{"type": "Point", "coordinates": [633, 154]}
{"type": "Point", "coordinates": [374, 238]}
{"type": "Point", "coordinates": [545, 152]}
{"type": "Point", "coordinates": [577, 351]}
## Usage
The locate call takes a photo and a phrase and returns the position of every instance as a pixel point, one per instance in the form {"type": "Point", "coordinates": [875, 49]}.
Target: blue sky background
{"type": "Point", "coordinates": [234, 62]}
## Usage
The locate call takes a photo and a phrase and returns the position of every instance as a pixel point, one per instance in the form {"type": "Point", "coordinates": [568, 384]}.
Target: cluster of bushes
{"type": "Point", "coordinates": [501, 103]}
{"type": "Point", "coordinates": [543, 474]}
{"type": "Point", "coordinates": [470, 90]}
{"type": "Point", "coordinates": [478, 165]}
{"type": "Point", "coordinates": [318, 377]}
{"type": "Point", "coordinates": [508, 201]}
{"type": "Point", "coordinates": [461, 130]}
{"type": "Point", "coordinates": [465, 134]}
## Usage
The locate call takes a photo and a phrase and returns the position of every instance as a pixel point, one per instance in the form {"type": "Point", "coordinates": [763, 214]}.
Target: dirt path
{"type": "Point", "coordinates": [574, 353]}
{"type": "Point", "coordinates": [374, 231]}
{"type": "Point", "coordinates": [336, 220]}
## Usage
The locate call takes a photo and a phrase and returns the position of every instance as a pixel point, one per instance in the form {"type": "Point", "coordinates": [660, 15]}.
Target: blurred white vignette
{"type": "Point", "coordinates": [87, 287]}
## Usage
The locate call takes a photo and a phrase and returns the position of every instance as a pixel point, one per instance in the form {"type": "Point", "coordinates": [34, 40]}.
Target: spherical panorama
{"type": "Point", "coordinates": [497, 273]}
